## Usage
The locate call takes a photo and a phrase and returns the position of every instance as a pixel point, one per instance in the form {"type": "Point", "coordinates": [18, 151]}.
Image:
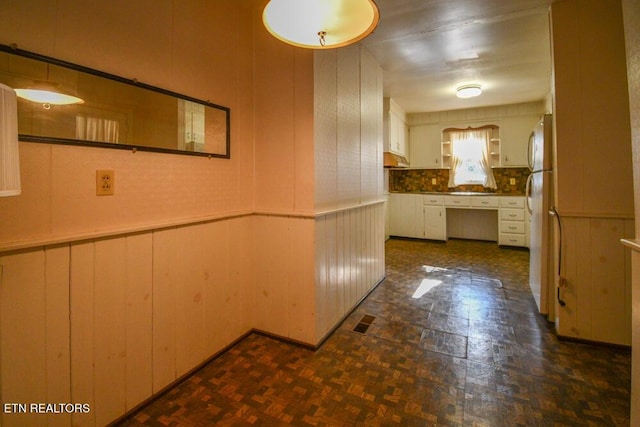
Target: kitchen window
{"type": "Point", "coordinates": [471, 156]}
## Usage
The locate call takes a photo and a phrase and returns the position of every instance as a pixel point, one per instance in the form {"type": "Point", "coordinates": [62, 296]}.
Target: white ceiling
{"type": "Point", "coordinates": [429, 47]}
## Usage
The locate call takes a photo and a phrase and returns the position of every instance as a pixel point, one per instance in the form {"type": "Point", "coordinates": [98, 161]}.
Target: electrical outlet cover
{"type": "Point", "coordinates": [105, 183]}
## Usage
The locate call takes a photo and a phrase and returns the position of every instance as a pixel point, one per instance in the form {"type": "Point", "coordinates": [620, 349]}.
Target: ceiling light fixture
{"type": "Point", "coordinates": [468, 91]}
{"type": "Point", "coordinates": [47, 93]}
{"type": "Point", "coordinates": [320, 24]}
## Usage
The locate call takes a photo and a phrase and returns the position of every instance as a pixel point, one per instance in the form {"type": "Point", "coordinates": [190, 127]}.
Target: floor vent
{"type": "Point", "coordinates": [364, 324]}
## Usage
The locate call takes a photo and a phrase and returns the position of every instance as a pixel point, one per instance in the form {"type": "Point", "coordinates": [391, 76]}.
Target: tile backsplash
{"type": "Point", "coordinates": [413, 180]}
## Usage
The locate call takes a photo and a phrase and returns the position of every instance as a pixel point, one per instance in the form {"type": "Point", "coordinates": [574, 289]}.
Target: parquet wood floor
{"type": "Point", "coordinates": [455, 340]}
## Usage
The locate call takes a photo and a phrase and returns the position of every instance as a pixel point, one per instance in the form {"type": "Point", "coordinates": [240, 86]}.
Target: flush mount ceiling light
{"type": "Point", "coordinates": [320, 24]}
{"type": "Point", "coordinates": [468, 91]}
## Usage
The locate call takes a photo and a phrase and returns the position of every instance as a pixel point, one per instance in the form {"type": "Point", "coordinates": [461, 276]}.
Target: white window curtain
{"type": "Point", "coordinates": [96, 129]}
{"type": "Point", "coordinates": [9, 153]}
{"type": "Point", "coordinates": [485, 161]}
{"type": "Point", "coordinates": [474, 143]}
{"type": "Point", "coordinates": [456, 162]}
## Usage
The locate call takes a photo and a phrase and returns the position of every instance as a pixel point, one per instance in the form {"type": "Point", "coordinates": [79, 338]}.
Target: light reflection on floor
{"type": "Point", "coordinates": [426, 285]}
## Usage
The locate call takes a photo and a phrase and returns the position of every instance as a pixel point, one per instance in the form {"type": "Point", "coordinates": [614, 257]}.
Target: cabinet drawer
{"type": "Point", "coordinates": [512, 202]}
{"type": "Point", "coordinates": [485, 202]}
{"type": "Point", "coordinates": [462, 201]}
{"type": "Point", "coordinates": [511, 239]}
{"type": "Point", "coordinates": [512, 227]}
{"type": "Point", "coordinates": [433, 200]}
{"type": "Point", "coordinates": [512, 214]}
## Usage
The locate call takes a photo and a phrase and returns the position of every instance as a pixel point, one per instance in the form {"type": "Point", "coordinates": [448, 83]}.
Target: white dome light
{"type": "Point", "coordinates": [320, 24]}
{"type": "Point", "coordinates": [468, 91]}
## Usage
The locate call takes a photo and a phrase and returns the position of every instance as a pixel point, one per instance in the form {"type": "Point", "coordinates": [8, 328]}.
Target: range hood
{"type": "Point", "coordinates": [394, 161]}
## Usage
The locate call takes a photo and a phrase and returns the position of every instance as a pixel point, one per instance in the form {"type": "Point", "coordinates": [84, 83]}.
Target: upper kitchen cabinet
{"type": "Point", "coordinates": [395, 128]}
{"type": "Point", "coordinates": [514, 136]}
{"type": "Point", "coordinates": [424, 146]}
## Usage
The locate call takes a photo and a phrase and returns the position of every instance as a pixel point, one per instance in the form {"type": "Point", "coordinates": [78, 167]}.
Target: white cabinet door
{"type": "Point", "coordinates": [394, 133]}
{"type": "Point", "coordinates": [424, 146]}
{"type": "Point", "coordinates": [435, 222]}
{"type": "Point", "coordinates": [397, 134]}
{"type": "Point", "coordinates": [406, 215]}
{"type": "Point", "coordinates": [396, 223]}
{"type": "Point", "coordinates": [514, 139]}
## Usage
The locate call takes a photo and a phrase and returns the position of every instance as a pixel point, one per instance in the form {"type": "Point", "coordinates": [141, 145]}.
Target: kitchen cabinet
{"type": "Point", "coordinates": [512, 222]}
{"type": "Point", "coordinates": [424, 146]}
{"type": "Point", "coordinates": [417, 216]}
{"type": "Point", "coordinates": [406, 215]}
{"type": "Point", "coordinates": [458, 201]}
{"type": "Point", "coordinates": [485, 202]}
{"type": "Point", "coordinates": [395, 129]}
{"type": "Point", "coordinates": [435, 223]}
{"type": "Point", "coordinates": [435, 218]}
{"type": "Point", "coordinates": [514, 134]}
{"type": "Point", "coordinates": [426, 216]}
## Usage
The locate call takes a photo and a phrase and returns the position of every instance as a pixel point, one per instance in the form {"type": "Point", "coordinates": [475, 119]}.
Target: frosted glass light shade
{"type": "Point", "coordinates": [468, 91]}
{"type": "Point", "coordinates": [48, 97]}
{"type": "Point", "coordinates": [9, 158]}
{"type": "Point", "coordinates": [47, 92]}
{"type": "Point", "coordinates": [320, 24]}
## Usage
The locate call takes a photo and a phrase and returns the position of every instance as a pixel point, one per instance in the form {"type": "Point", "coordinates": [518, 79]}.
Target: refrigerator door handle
{"type": "Point", "coordinates": [530, 153]}
{"type": "Point", "coordinates": [527, 193]}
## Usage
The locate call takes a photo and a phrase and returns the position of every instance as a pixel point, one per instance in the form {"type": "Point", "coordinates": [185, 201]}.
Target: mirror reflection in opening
{"type": "Point", "coordinates": [113, 113]}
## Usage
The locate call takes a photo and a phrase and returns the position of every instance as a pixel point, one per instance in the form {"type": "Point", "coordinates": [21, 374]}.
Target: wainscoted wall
{"type": "Point", "coordinates": [282, 298]}
{"type": "Point", "coordinates": [110, 321]}
{"type": "Point", "coordinates": [349, 258]}
{"type": "Point", "coordinates": [597, 289]}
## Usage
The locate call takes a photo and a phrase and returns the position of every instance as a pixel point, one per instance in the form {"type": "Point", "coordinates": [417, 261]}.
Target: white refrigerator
{"type": "Point", "coordinates": [539, 192]}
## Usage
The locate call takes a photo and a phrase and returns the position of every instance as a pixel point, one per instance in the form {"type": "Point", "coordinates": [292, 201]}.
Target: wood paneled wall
{"type": "Point", "coordinates": [592, 168]}
{"type": "Point", "coordinates": [348, 128]}
{"type": "Point", "coordinates": [109, 322]}
{"type": "Point", "coordinates": [631, 11]}
{"type": "Point", "coordinates": [349, 258]}
{"type": "Point", "coordinates": [597, 269]}
{"type": "Point", "coordinates": [592, 152]}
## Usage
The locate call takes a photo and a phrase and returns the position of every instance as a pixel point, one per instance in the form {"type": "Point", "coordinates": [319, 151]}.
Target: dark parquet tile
{"type": "Point", "coordinates": [450, 338]}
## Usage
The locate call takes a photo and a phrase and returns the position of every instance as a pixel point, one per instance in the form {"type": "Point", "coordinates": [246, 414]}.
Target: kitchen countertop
{"type": "Point", "coordinates": [459, 193]}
